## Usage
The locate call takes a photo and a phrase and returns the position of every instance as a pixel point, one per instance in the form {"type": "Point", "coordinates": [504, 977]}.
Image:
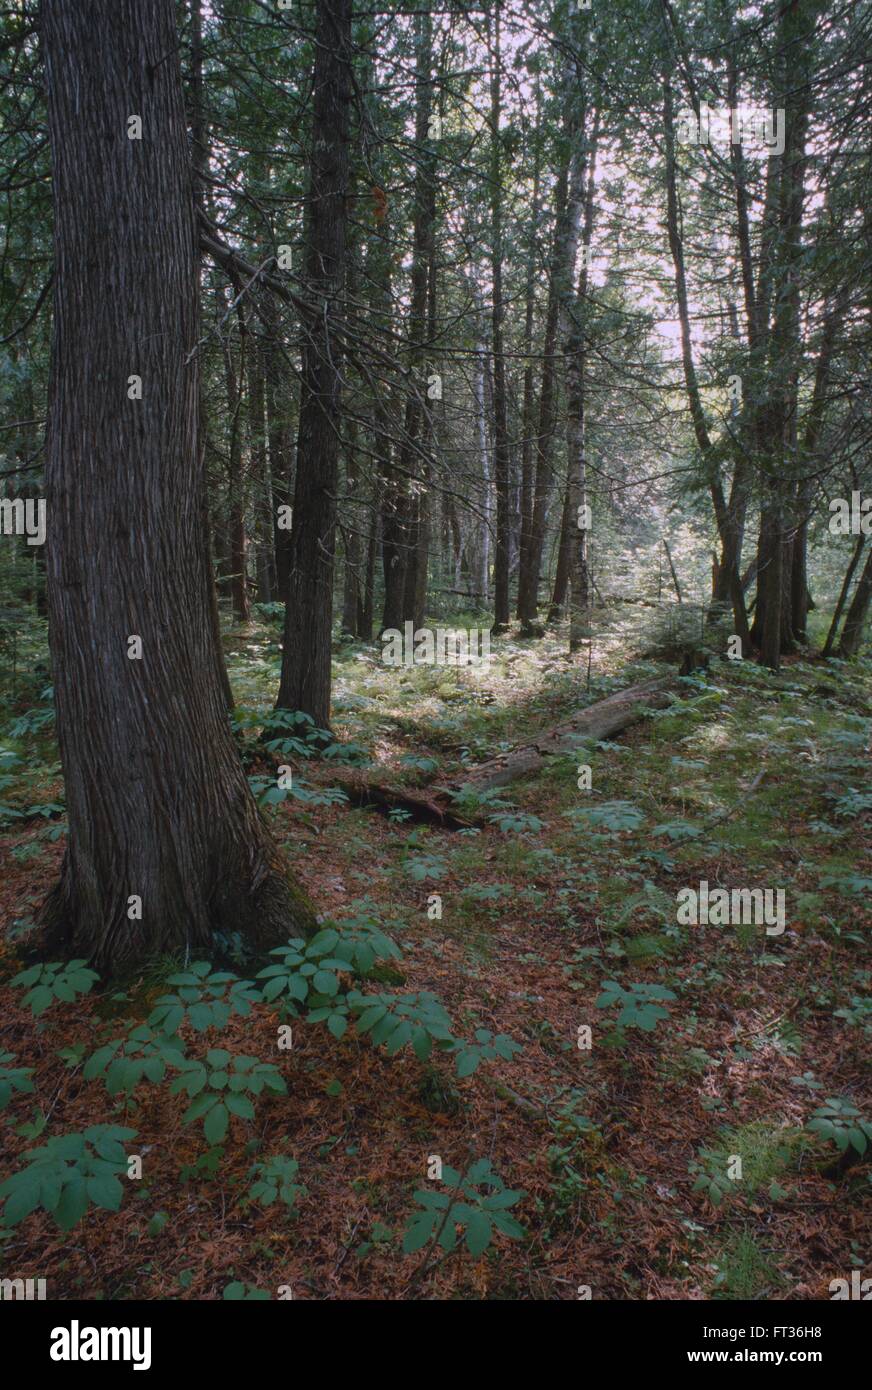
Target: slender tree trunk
{"type": "Point", "coordinates": [392, 494]}
{"type": "Point", "coordinates": [351, 510]}
{"type": "Point", "coordinates": [280, 442]}
{"type": "Point", "coordinates": [501, 426]}
{"type": "Point", "coordinates": [259, 469]}
{"type": "Point", "coordinates": [569, 200]}
{"type": "Point", "coordinates": [236, 481]}
{"type": "Point", "coordinates": [200, 164]}
{"type": "Point", "coordinates": [401, 517]}
{"type": "Point", "coordinates": [852, 632]}
{"type": "Point", "coordinates": [160, 812]}
{"type": "Point", "coordinates": [528, 409]}
{"type": "Point", "coordinates": [482, 549]}
{"type": "Point", "coordinates": [456, 540]}
{"type": "Point", "coordinates": [209, 567]}
{"type": "Point", "coordinates": [727, 532]}
{"type": "Point", "coordinates": [351, 570]}
{"type": "Point", "coordinates": [800, 595]}
{"type": "Point", "coordinates": [577, 508]}
{"type": "Point", "coordinates": [367, 596]}
{"type": "Point", "coordinates": [778, 452]}
{"type": "Point", "coordinates": [560, 591]}
{"type": "Point", "coordinates": [306, 654]}
{"type": "Point", "coordinates": [418, 541]}
{"type": "Point", "coordinates": [843, 595]}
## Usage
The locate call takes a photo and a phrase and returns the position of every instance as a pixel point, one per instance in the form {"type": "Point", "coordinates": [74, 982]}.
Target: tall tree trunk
{"type": "Point", "coordinates": [424, 528]}
{"type": "Point", "coordinates": [306, 653]}
{"type": "Point", "coordinates": [568, 200]}
{"type": "Point", "coordinates": [854, 561]}
{"type": "Point", "coordinates": [727, 532]}
{"type": "Point", "coordinates": [366, 599]}
{"type": "Point", "coordinates": [392, 489]}
{"type": "Point", "coordinates": [352, 574]}
{"type": "Point", "coordinates": [351, 534]}
{"type": "Point", "coordinates": [572, 570]}
{"type": "Point", "coordinates": [158, 804]}
{"type": "Point", "coordinates": [352, 513]}
{"type": "Point", "coordinates": [852, 632]}
{"type": "Point", "coordinates": [259, 468]}
{"type": "Point", "coordinates": [501, 425]}
{"type": "Point", "coordinates": [236, 479]}
{"type": "Point", "coordinates": [575, 516]}
{"type": "Point", "coordinates": [401, 519]}
{"type": "Point", "coordinates": [800, 595]}
{"type": "Point", "coordinates": [777, 417]}
{"type": "Point", "coordinates": [482, 548]}
{"type": "Point", "coordinates": [280, 441]}
{"type": "Point", "coordinates": [418, 541]}
{"type": "Point", "coordinates": [528, 408]}
{"type": "Point", "coordinates": [200, 164]}
{"type": "Point", "coordinates": [564, 556]}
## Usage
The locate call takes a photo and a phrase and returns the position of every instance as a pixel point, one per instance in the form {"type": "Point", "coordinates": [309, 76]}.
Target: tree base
{"type": "Point", "coordinates": [265, 912]}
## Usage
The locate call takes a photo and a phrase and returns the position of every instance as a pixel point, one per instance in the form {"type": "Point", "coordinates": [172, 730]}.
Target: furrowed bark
{"type": "Point", "coordinates": [306, 648]}
{"type": "Point", "coordinates": [159, 808]}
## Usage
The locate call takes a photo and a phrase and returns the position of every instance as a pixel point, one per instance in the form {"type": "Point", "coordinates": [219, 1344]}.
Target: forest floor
{"type": "Point", "coordinates": [621, 1150]}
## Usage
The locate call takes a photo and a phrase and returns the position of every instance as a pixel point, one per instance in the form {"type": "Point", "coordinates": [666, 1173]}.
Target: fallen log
{"type": "Point", "coordinates": [598, 721]}
{"type": "Point", "coordinates": [422, 805]}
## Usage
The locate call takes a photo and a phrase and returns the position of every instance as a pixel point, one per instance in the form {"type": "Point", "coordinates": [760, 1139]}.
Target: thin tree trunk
{"type": "Point", "coordinates": [351, 534]}
{"type": "Point", "coordinates": [392, 487]}
{"type": "Point", "coordinates": [852, 632]}
{"type": "Point", "coordinates": [777, 418]}
{"type": "Point", "coordinates": [259, 470]}
{"type": "Point", "coordinates": [569, 201]}
{"type": "Point", "coordinates": [199, 159]}
{"type": "Point", "coordinates": [528, 411]}
{"type": "Point", "coordinates": [482, 549]}
{"type": "Point", "coordinates": [236, 484]}
{"type": "Point", "coordinates": [576, 355]}
{"type": "Point", "coordinates": [843, 595]}
{"type": "Point", "coordinates": [351, 528]}
{"type": "Point", "coordinates": [280, 441]}
{"type": "Point", "coordinates": [564, 557]}
{"type": "Point", "coordinates": [367, 597]}
{"type": "Point", "coordinates": [401, 524]}
{"type": "Point", "coordinates": [501, 426]}
{"type": "Point", "coordinates": [417, 571]}
{"type": "Point", "coordinates": [800, 595]}
{"type": "Point", "coordinates": [200, 164]}
{"type": "Point", "coordinates": [727, 532]}
{"type": "Point", "coordinates": [675, 583]}
{"type": "Point", "coordinates": [306, 654]}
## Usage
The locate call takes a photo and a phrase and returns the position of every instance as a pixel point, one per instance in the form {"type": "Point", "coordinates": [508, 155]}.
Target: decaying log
{"type": "Point", "coordinates": [599, 721]}
{"type": "Point", "coordinates": [426, 804]}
